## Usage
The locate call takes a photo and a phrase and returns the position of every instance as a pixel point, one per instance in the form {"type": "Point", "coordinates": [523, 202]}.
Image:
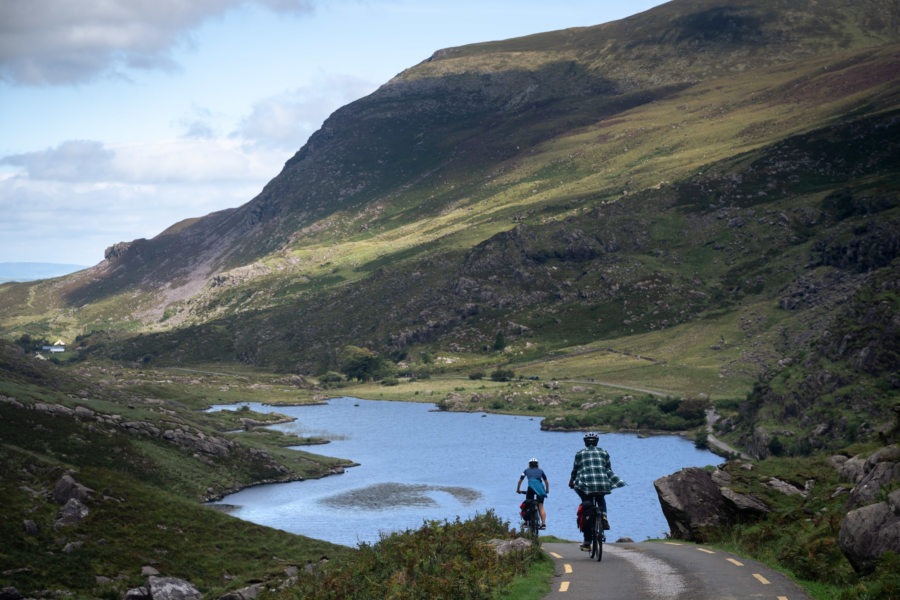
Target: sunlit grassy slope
{"type": "Point", "coordinates": [655, 186]}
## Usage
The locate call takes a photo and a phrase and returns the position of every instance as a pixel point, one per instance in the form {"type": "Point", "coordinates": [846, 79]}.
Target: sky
{"type": "Point", "coordinates": [119, 118]}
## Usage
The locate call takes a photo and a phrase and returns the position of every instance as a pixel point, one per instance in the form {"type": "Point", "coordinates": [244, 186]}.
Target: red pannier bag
{"type": "Point", "coordinates": [585, 516]}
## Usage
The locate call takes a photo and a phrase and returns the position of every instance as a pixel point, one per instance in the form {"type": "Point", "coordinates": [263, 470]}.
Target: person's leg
{"type": "Point", "coordinates": [602, 503]}
{"type": "Point", "coordinates": [543, 514]}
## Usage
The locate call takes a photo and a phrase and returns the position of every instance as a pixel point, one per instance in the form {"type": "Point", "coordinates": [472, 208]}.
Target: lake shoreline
{"type": "Point", "coordinates": [411, 448]}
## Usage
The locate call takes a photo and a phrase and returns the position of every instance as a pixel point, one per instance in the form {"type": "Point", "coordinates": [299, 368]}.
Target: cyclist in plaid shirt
{"type": "Point", "coordinates": [592, 475]}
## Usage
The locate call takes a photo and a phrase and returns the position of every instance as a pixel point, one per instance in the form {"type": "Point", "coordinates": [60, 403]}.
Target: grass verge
{"type": "Point", "coordinates": [454, 560]}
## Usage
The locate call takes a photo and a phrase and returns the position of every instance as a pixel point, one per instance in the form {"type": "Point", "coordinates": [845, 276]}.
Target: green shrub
{"type": "Point", "coordinates": [701, 439]}
{"type": "Point", "coordinates": [362, 364]}
{"type": "Point", "coordinates": [883, 584]}
{"type": "Point", "coordinates": [439, 560]}
{"type": "Point", "coordinates": [503, 375]}
{"type": "Point", "coordinates": [499, 341]}
{"type": "Point", "coordinates": [669, 404]}
{"type": "Point", "coordinates": [331, 377]}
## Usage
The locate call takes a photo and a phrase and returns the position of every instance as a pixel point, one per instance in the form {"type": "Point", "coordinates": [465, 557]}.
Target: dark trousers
{"type": "Point", "coordinates": [601, 501]}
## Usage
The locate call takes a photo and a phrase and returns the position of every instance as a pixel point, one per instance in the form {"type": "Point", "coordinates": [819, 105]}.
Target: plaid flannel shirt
{"type": "Point", "coordinates": [592, 472]}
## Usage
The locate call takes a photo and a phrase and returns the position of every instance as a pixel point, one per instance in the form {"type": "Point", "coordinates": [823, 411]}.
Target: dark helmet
{"type": "Point", "coordinates": [591, 438]}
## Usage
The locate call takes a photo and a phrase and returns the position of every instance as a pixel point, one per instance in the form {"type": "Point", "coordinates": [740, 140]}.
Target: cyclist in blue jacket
{"type": "Point", "coordinates": [592, 476]}
{"type": "Point", "coordinates": [538, 487]}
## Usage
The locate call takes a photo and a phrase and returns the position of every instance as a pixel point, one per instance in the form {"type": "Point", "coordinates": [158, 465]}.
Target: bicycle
{"type": "Point", "coordinates": [531, 515]}
{"type": "Point", "coordinates": [594, 520]}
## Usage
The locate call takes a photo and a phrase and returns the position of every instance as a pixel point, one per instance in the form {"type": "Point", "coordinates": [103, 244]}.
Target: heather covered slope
{"type": "Point", "coordinates": [102, 470]}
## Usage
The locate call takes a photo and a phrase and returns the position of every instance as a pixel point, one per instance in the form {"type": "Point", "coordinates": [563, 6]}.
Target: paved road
{"type": "Point", "coordinates": [711, 418]}
{"type": "Point", "coordinates": [663, 571]}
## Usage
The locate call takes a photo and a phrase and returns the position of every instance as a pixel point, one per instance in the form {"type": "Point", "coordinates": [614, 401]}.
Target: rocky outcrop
{"type": "Point", "coordinates": [164, 588]}
{"type": "Point", "coordinates": [71, 495]}
{"type": "Point", "coordinates": [786, 488]}
{"type": "Point", "coordinates": [202, 446]}
{"type": "Point", "coordinates": [870, 528]}
{"type": "Point", "coordinates": [744, 503]}
{"type": "Point", "coordinates": [695, 501]}
{"type": "Point", "coordinates": [116, 250]}
{"type": "Point", "coordinates": [879, 470]}
{"type": "Point", "coordinates": [850, 470]}
{"type": "Point", "coordinates": [199, 441]}
{"type": "Point", "coordinates": [868, 532]}
{"type": "Point", "coordinates": [67, 488]}
{"type": "Point", "coordinates": [503, 547]}
{"type": "Point", "coordinates": [247, 593]}
{"type": "Point", "coordinates": [71, 513]}
{"type": "Point", "coordinates": [691, 503]}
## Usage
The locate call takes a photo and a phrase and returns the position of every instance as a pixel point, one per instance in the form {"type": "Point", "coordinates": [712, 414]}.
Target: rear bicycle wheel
{"type": "Point", "coordinates": [597, 544]}
{"type": "Point", "coordinates": [533, 527]}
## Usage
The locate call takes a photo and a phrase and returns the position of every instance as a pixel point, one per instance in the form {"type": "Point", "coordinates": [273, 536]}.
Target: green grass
{"type": "Point", "coordinates": [450, 560]}
{"type": "Point", "coordinates": [533, 585]}
{"type": "Point", "coordinates": [144, 509]}
{"type": "Point", "coordinates": [132, 524]}
{"type": "Point", "coordinates": [799, 536]}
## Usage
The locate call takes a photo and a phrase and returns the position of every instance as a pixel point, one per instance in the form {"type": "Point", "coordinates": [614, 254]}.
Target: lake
{"type": "Point", "coordinates": [418, 464]}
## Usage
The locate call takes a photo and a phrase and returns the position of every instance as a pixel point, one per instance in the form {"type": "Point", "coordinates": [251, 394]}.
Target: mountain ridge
{"type": "Point", "coordinates": [217, 238]}
{"type": "Point", "coordinates": [594, 184]}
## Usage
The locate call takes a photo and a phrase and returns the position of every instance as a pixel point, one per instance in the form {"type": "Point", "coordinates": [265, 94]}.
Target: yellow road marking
{"type": "Point", "coordinates": [567, 568]}
{"type": "Point", "coordinates": [672, 544]}
{"type": "Point", "coordinates": [735, 562]}
{"type": "Point", "coordinates": [762, 579]}
{"type": "Point", "coordinates": [782, 598]}
{"type": "Point", "coordinates": [705, 550]}
{"type": "Point", "coordinates": [564, 586]}
{"type": "Point", "coordinates": [555, 555]}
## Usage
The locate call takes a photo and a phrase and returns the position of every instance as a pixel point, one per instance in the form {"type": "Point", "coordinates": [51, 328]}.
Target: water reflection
{"type": "Point", "coordinates": [417, 465]}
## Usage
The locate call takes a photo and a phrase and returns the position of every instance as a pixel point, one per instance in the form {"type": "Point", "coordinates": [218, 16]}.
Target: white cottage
{"type": "Point", "coordinates": [59, 346]}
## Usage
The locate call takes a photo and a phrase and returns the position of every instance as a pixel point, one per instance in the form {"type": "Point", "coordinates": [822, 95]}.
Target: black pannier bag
{"type": "Point", "coordinates": [585, 515]}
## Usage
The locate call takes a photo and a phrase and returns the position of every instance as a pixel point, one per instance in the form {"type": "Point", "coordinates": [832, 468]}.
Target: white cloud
{"type": "Point", "coordinates": [77, 160]}
{"type": "Point", "coordinates": [184, 160]}
{"type": "Point", "coordinates": [64, 42]}
{"type": "Point", "coordinates": [52, 221]}
{"type": "Point", "coordinates": [198, 124]}
{"type": "Point", "coordinates": [84, 196]}
{"type": "Point", "coordinates": [194, 161]}
{"type": "Point", "coordinates": [288, 119]}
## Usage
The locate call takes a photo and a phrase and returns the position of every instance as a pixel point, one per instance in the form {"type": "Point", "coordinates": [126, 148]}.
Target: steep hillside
{"type": "Point", "coordinates": [101, 471]}
{"type": "Point", "coordinates": [702, 162]}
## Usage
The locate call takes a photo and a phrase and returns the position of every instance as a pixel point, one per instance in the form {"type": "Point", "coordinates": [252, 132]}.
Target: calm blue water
{"type": "Point", "coordinates": [417, 465]}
